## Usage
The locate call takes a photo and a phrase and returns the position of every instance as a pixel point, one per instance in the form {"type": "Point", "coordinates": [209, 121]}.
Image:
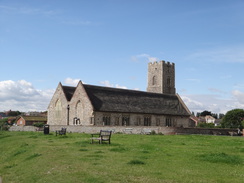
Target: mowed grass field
{"type": "Point", "coordinates": [30, 157]}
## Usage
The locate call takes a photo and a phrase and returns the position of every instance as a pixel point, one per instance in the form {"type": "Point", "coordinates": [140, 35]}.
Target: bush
{"type": "Point", "coordinates": [205, 125]}
{"type": "Point", "coordinates": [40, 124]}
{"type": "Point", "coordinates": [4, 125]}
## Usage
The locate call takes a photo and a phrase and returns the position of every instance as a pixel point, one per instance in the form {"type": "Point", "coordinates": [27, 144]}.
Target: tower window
{"type": "Point", "coordinates": [154, 80]}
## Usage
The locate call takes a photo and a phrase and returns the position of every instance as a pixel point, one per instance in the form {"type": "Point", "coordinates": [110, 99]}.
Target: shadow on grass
{"type": "Point", "coordinates": [221, 158]}
{"type": "Point", "coordinates": [33, 156]}
{"type": "Point", "coordinates": [136, 162]}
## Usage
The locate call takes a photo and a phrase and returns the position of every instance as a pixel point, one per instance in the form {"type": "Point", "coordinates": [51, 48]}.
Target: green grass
{"type": "Point", "coordinates": [35, 157]}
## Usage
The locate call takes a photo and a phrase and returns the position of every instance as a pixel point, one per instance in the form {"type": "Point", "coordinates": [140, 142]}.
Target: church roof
{"type": "Point", "coordinates": [68, 91]}
{"type": "Point", "coordinates": [107, 99]}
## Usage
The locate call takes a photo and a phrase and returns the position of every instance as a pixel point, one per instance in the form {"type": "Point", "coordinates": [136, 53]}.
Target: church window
{"type": "Point", "coordinates": [76, 121]}
{"type": "Point", "coordinates": [154, 80]}
{"type": "Point", "coordinates": [58, 109]}
{"type": "Point", "coordinates": [117, 121]}
{"type": "Point", "coordinates": [138, 121]}
{"type": "Point", "coordinates": [92, 120]}
{"type": "Point", "coordinates": [147, 121]}
{"type": "Point", "coordinates": [158, 122]}
{"type": "Point", "coordinates": [79, 111]}
{"type": "Point", "coordinates": [106, 120]}
{"type": "Point", "coordinates": [125, 121]}
{"type": "Point", "coordinates": [168, 122]}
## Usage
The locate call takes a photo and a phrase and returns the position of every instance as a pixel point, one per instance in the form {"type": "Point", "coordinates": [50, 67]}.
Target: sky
{"type": "Point", "coordinates": [111, 42]}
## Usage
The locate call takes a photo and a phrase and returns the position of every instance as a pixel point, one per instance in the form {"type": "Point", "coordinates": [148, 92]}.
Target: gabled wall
{"type": "Point", "coordinates": [57, 109]}
{"type": "Point", "coordinates": [81, 109]}
{"type": "Point", "coordinates": [21, 121]}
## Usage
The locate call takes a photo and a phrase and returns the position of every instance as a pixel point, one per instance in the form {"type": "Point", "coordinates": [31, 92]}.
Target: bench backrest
{"type": "Point", "coordinates": [105, 133]}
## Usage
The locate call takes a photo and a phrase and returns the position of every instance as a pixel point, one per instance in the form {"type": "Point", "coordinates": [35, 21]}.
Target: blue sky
{"type": "Point", "coordinates": [110, 42]}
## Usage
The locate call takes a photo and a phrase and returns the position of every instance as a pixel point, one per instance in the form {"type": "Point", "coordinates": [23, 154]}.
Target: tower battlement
{"type": "Point", "coordinates": [161, 62]}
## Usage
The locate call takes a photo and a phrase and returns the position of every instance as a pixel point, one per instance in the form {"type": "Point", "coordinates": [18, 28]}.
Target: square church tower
{"type": "Point", "coordinates": [161, 77]}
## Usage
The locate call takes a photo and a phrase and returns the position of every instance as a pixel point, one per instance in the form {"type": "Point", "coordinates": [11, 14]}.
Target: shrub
{"type": "Point", "coordinates": [206, 125]}
{"type": "Point", "coordinates": [39, 124]}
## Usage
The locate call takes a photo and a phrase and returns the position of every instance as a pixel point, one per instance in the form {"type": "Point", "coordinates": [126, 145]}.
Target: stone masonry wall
{"type": "Point", "coordinates": [133, 130]}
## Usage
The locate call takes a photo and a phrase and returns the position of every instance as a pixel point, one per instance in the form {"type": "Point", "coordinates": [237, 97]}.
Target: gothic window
{"type": "Point", "coordinates": [78, 112]}
{"type": "Point", "coordinates": [58, 109]}
{"type": "Point", "coordinates": [125, 121]}
{"type": "Point", "coordinates": [117, 121]}
{"type": "Point", "coordinates": [92, 120]}
{"type": "Point", "coordinates": [138, 121]}
{"type": "Point", "coordinates": [158, 122]}
{"type": "Point", "coordinates": [168, 122]}
{"type": "Point", "coordinates": [154, 80]}
{"type": "Point", "coordinates": [106, 120]}
{"type": "Point", "coordinates": [147, 121]}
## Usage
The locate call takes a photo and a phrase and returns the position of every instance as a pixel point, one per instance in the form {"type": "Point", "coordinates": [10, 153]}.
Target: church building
{"type": "Point", "coordinates": [90, 105]}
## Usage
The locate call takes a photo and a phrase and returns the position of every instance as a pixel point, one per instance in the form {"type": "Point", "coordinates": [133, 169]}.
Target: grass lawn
{"type": "Point", "coordinates": [30, 157]}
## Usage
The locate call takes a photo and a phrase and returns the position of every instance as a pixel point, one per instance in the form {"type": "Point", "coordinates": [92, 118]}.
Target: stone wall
{"type": "Point", "coordinates": [133, 129]}
{"type": "Point", "coordinates": [24, 128]}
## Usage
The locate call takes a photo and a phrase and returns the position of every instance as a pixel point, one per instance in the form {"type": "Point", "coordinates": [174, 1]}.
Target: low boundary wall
{"type": "Point", "coordinates": [133, 129]}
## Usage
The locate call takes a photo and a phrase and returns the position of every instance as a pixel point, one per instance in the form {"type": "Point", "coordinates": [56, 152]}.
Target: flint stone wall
{"type": "Point", "coordinates": [132, 129]}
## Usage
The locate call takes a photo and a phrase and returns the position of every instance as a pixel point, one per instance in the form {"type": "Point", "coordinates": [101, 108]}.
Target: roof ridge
{"type": "Point", "coordinates": [130, 90]}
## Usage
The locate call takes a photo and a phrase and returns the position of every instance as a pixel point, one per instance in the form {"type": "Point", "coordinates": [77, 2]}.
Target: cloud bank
{"type": "Point", "coordinates": [22, 96]}
{"type": "Point", "coordinates": [214, 103]}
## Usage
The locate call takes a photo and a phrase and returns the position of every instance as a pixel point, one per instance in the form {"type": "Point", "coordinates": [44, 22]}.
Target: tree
{"type": "Point", "coordinates": [205, 113]}
{"type": "Point", "coordinates": [14, 113]}
{"type": "Point", "coordinates": [215, 115]}
{"type": "Point", "coordinates": [221, 115]}
{"type": "Point", "coordinates": [233, 119]}
{"type": "Point", "coordinates": [205, 125]}
{"type": "Point", "coordinates": [3, 124]}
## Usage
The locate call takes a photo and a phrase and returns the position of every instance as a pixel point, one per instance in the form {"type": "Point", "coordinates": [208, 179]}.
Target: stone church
{"type": "Point", "coordinates": [90, 105]}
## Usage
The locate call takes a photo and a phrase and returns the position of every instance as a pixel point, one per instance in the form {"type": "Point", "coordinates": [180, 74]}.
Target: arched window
{"type": "Point", "coordinates": [78, 112]}
{"type": "Point", "coordinates": [58, 109]}
{"type": "Point", "coordinates": [154, 80]}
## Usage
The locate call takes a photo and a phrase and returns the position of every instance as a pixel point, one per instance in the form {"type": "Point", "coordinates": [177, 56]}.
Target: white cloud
{"type": "Point", "coordinates": [214, 103]}
{"type": "Point", "coordinates": [239, 96]}
{"type": "Point", "coordinates": [22, 96]}
{"type": "Point", "coordinates": [144, 56]}
{"type": "Point", "coordinates": [108, 84]}
{"type": "Point", "coordinates": [27, 10]}
{"type": "Point", "coordinates": [233, 54]}
{"type": "Point", "coordinates": [72, 82]}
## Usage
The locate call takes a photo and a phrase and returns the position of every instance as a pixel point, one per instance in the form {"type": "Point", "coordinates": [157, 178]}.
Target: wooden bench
{"type": "Point", "coordinates": [104, 135]}
{"type": "Point", "coordinates": [61, 132]}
